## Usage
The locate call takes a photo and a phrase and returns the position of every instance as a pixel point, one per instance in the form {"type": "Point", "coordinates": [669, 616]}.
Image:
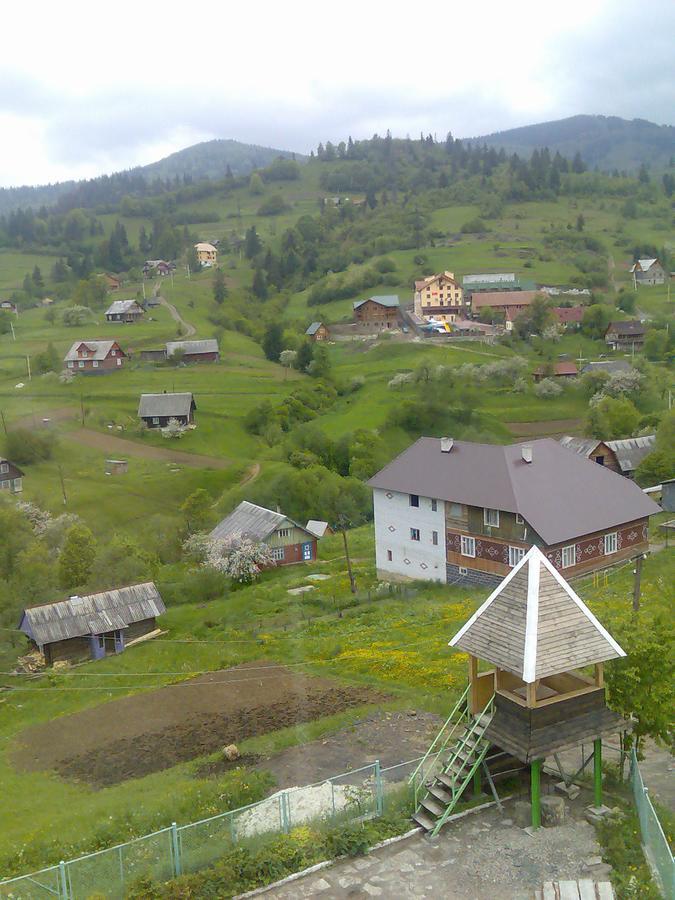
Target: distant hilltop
{"type": "Point", "coordinates": [604, 142]}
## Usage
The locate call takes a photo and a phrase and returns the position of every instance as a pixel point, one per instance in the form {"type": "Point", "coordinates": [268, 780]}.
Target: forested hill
{"type": "Point", "coordinates": [604, 142]}
{"type": "Point", "coordinates": [210, 159]}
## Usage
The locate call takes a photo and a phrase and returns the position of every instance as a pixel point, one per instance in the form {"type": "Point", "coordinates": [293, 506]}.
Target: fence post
{"type": "Point", "coordinates": [177, 867]}
{"type": "Point", "coordinates": [233, 830]}
{"type": "Point", "coordinates": [379, 799]}
{"type": "Point", "coordinates": [63, 881]}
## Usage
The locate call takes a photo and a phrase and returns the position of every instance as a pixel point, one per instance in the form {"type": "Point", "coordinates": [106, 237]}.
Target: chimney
{"type": "Point", "coordinates": [526, 453]}
{"type": "Point", "coordinates": [446, 444]}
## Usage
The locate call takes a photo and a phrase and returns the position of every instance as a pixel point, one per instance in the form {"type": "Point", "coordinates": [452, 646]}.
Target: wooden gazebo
{"type": "Point", "coordinates": [538, 636]}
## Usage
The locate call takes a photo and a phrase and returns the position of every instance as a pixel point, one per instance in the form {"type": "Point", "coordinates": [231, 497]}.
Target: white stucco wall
{"type": "Point", "coordinates": [394, 517]}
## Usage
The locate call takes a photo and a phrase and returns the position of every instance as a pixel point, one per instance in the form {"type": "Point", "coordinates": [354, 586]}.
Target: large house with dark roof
{"type": "Point", "coordinates": [457, 511]}
{"type": "Point", "coordinates": [626, 335]}
{"type": "Point", "coordinates": [94, 626]}
{"type": "Point", "coordinates": [288, 541]}
{"type": "Point", "coordinates": [378, 312]}
{"type": "Point", "coordinates": [648, 271]}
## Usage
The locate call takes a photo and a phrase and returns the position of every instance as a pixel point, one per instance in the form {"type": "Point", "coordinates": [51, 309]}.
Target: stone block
{"type": "Point", "coordinates": [552, 811]}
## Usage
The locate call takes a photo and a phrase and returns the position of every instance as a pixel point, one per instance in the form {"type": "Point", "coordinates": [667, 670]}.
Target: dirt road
{"type": "Point", "coordinates": [188, 329]}
{"type": "Point", "coordinates": [117, 446]}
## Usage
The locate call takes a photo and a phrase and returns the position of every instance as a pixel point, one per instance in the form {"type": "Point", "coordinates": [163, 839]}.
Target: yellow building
{"type": "Point", "coordinates": [440, 296]}
{"type": "Point", "coordinates": [206, 254]}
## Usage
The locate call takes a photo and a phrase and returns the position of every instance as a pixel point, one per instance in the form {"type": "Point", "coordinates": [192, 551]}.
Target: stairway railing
{"type": "Point", "coordinates": [440, 742]}
{"type": "Point", "coordinates": [478, 727]}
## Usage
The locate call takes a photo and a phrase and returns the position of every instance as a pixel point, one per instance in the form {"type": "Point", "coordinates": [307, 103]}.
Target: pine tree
{"type": "Point", "coordinates": [252, 243]}
{"type": "Point", "coordinates": [260, 284]}
{"type": "Point", "coordinates": [272, 342]}
{"type": "Point", "coordinates": [219, 286]}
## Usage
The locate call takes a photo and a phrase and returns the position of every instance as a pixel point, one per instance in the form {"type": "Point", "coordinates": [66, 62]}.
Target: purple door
{"type": "Point", "coordinates": [97, 642]}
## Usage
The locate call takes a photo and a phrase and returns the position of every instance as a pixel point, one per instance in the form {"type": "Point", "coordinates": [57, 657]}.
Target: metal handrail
{"type": "Point", "coordinates": [468, 735]}
{"type": "Point", "coordinates": [460, 703]}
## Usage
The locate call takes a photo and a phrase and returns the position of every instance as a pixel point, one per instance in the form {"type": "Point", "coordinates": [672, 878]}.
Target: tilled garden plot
{"type": "Point", "coordinates": [134, 736]}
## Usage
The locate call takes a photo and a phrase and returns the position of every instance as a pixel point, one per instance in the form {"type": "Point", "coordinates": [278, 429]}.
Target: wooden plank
{"type": "Point", "coordinates": [587, 889]}
{"type": "Point", "coordinates": [568, 890]}
{"type": "Point", "coordinates": [549, 891]}
{"type": "Point", "coordinates": [604, 890]}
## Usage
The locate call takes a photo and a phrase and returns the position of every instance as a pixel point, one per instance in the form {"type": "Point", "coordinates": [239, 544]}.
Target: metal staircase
{"type": "Point", "coordinates": [457, 753]}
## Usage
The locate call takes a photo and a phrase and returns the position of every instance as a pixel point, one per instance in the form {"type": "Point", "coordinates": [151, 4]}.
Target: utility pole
{"type": "Point", "coordinates": [636, 585]}
{"type": "Point", "coordinates": [82, 407]}
{"type": "Point", "coordinates": [30, 377]}
{"type": "Point", "coordinates": [11, 325]}
{"type": "Point", "coordinates": [352, 580]}
{"type": "Point", "coordinates": [63, 485]}
{"type": "Point", "coordinates": [4, 426]}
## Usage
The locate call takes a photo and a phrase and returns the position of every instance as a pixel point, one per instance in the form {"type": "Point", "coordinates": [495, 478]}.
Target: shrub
{"type": "Point", "coordinates": [77, 315]}
{"type": "Point", "coordinates": [24, 447]}
{"type": "Point", "coordinates": [273, 206]}
{"type": "Point", "coordinates": [547, 388]}
{"type": "Point", "coordinates": [474, 226]}
{"type": "Point", "coordinates": [385, 265]}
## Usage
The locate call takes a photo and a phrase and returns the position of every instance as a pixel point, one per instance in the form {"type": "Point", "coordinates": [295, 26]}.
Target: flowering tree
{"type": "Point", "coordinates": [238, 556]}
{"type": "Point", "coordinates": [547, 388]}
{"type": "Point", "coordinates": [39, 519]}
{"type": "Point", "coordinates": [173, 429]}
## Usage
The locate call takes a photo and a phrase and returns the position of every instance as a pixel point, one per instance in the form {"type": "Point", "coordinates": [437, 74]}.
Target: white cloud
{"type": "Point", "coordinates": [93, 89]}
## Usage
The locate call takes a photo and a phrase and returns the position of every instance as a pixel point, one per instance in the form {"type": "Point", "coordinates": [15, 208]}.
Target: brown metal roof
{"type": "Point", "coordinates": [559, 494]}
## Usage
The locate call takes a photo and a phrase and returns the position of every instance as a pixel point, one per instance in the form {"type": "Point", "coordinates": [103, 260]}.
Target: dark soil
{"type": "Point", "coordinates": [217, 766]}
{"type": "Point", "coordinates": [134, 736]}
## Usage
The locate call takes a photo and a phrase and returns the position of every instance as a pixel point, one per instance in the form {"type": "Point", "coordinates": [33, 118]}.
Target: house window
{"type": "Point", "coordinates": [519, 519]}
{"type": "Point", "coordinates": [4, 467]}
{"type": "Point", "coordinates": [80, 365]}
{"type": "Point", "coordinates": [434, 505]}
{"type": "Point", "coordinates": [95, 364]}
{"type": "Point", "coordinates": [155, 420]}
{"type": "Point", "coordinates": [456, 510]}
{"type": "Point", "coordinates": [119, 362]}
{"type": "Point", "coordinates": [101, 641]}
{"type": "Point", "coordinates": [414, 500]}
{"type": "Point", "coordinates": [434, 538]}
{"type": "Point", "coordinates": [390, 556]}
{"type": "Point", "coordinates": [569, 556]}
{"type": "Point", "coordinates": [468, 546]}
{"type": "Point", "coordinates": [611, 544]}
{"type": "Point", "coordinates": [463, 570]}
{"type": "Point", "coordinates": [515, 555]}
{"type": "Point", "coordinates": [491, 517]}
{"type": "Point", "coordinates": [71, 364]}
{"type": "Point", "coordinates": [414, 534]}
{"type": "Point", "coordinates": [284, 532]}
{"type": "Point", "coordinates": [277, 554]}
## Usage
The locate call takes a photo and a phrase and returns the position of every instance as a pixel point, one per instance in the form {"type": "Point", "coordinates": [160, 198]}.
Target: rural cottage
{"type": "Point", "coordinates": [648, 271]}
{"type": "Point", "coordinates": [156, 409]}
{"type": "Point", "coordinates": [622, 456]}
{"type": "Point", "coordinates": [11, 477]}
{"type": "Point", "coordinates": [627, 335]}
{"type": "Point", "coordinates": [94, 626]}
{"type": "Point", "coordinates": [457, 511]}
{"type": "Point", "coordinates": [377, 312]}
{"type": "Point", "coordinates": [194, 351]}
{"type": "Point", "coordinates": [288, 541]}
{"type": "Point", "coordinates": [124, 311]}
{"type": "Point", "coordinates": [94, 357]}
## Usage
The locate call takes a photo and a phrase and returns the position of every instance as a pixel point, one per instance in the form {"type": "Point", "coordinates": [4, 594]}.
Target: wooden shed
{"type": "Point", "coordinates": [94, 626]}
{"type": "Point", "coordinates": [116, 466]}
{"type": "Point", "coordinates": [157, 409]}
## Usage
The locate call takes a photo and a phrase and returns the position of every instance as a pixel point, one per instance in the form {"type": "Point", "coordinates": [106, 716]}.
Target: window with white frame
{"type": "Point", "coordinates": [491, 517]}
{"type": "Point", "coordinates": [569, 556]}
{"type": "Point", "coordinates": [519, 519]}
{"type": "Point", "coordinates": [4, 467]}
{"type": "Point", "coordinates": [611, 543]}
{"type": "Point", "coordinates": [71, 364]}
{"type": "Point", "coordinates": [468, 545]}
{"type": "Point", "coordinates": [414, 534]}
{"type": "Point", "coordinates": [277, 553]}
{"type": "Point", "coordinates": [515, 555]}
{"type": "Point", "coordinates": [80, 365]}
{"type": "Point", "coordinates": [155, 420]}
{"type": "Point", "coordinates": [95, 364]}
{"type": "Point", "coordinates": [284, 532]}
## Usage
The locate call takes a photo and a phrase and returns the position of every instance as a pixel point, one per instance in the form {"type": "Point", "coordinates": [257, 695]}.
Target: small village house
{"type": "Point", "coordinates": [377, 312]}
{"type": "Point", "coordinates": [11, 477]}
{"type": "Point", "coordinates": [668, 495]}
{"type": "Point", "coordinates": [455, 511]}
{"type": "Point", "coordinates": [9, 306]}
{"type": "Point", "coordinates": [155, 410]}
{"type": "Point", "coordinates": [562, 369]}
{"type": "Point", "coordinates": [159, 266]}
{"type": "Point", "coordinates": [569, 317]}
{"type": "Point", "coordinates": [607, 365]}
{"type": "Point", "coordinates": [154, 355]}
{"type": "Point", "coordinates": [124, 311]}
{"type": "Point", "coordinates": [94, 626]}
{"type": "Point", "coordinates": [511, 303]}
{"type": "Point", "coordinates": [289, 542]}
{"type": "Point", "coordinates": [94, 357]}
{"type": "Point", "coordinates": [648, 272]}
{"type": "Point", "coordinates": [206, 253]}
{"type": "Point", "coordinates": [112, 282]}
{"type": "Point", "coordinates": [628, 335]}
{"type": "Point", "coordinates": [440, 296]}
{"type": "Point", "coordinates": [318, 528]}
{"type": "Point", "coordinates": [622, 456]}
{"type": "Point", "coordinates": [317, 331]}
{"type": "Point", "coordinates": [194, 351]}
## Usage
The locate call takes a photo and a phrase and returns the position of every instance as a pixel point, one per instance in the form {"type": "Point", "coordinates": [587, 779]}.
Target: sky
{"type": "Point", "coordinates": [92, 88]}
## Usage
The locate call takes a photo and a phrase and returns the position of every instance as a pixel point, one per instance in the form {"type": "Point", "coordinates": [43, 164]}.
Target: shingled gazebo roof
{"type": "Point", "coordinates": [534, 625]}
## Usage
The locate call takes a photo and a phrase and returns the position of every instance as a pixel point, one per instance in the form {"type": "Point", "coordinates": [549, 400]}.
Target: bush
{"type": "Point", "coordinates": [273, 206]}
{"type": "Point", "coordinates": [24, 447]}
{"type": "Point", "coordinates": [385, 265]}
{"type": "Point", "coordinates": [474, 226]}
{"type": "Point", "coordinates": [547, 388]}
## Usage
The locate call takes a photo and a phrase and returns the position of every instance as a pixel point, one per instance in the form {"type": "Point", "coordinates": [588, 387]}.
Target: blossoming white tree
{"type": "Point", "coordinates": [238, 556]}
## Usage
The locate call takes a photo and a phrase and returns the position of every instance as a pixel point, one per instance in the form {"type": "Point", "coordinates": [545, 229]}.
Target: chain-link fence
{"type": "Point", "coordinates": [351, 796]}
{"type": "Point", "coordinates": [656, 847]}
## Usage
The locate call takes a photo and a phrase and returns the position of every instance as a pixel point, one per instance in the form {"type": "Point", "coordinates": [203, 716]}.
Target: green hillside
{"type": "Point", "coordinates": [210, 159]}
{"type": "Point", "coordinates": [604, 142]}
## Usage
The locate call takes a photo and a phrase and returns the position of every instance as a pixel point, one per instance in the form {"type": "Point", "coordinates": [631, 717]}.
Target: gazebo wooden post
{"type": "Point", "coordinates": [597, 771]}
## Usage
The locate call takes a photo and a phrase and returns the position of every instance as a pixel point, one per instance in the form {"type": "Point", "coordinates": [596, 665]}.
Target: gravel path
{"type": "Point", "coordinates": [188, 329]}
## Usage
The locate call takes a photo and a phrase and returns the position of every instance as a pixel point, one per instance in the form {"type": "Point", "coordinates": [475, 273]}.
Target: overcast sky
{"type": "Point", "coordinates": [91, 88]}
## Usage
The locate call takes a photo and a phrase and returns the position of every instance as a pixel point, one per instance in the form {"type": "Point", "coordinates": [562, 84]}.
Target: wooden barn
{"type": "Point", "coordinates": [317, 331]}
{"type": "Point", "coordinates": [194, 351]}
{"type": "Point", "coordinates": [156, 409]}
{"type": "Point", "coordinates": [94, 357]}
{"type": "Point", "coordinates": [563, 369]}
{"type": "Point", "coordinates": [91, 627]}
{"type": "Point", "coordinates": [289, 542]}
{"type": "Point", "coordinates": [622, 456]}
{"type": "Point", "coordinates": [377, 312]}
{"type": "Point", "coordinates": [626, 335]}
{"type": "Point", "coordinates": [11, 477]}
